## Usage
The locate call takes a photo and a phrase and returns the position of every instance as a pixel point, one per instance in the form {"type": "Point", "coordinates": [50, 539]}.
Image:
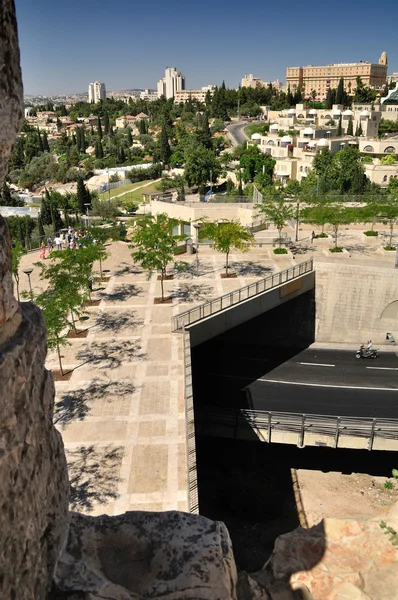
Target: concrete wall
{"type": "Point", "coordinates": [246, 312]}
{"type": "Point", "coordinates": [350, 300]}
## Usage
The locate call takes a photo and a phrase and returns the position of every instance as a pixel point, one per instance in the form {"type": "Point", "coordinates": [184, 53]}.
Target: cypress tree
{"type": "Point", "coordinates": [164, 147]}
{"type": "Point", "coordinates": [329, 99]}
{"type": "Point", "coordinates": [106, 123]}
{"type": "Point", "coordinates": [6, 199]}
{"type": "Point", "coordinates": [45, 210]}
{"type": "Point", "coordinates": [101, 150]}
{"type": "Point", "coordinates": [359, 130]}
{"type": "Point", "coordinates": [111, 132]}
{"type": "Point", "coordinates": [289, 97]}
{"type": "Point", "coordinates": [42, 233]}
{"type": "Point", "coordinates": [99, 128]}
{"type": "Point", "coordinates": [129, 137]}
{"type": "Point", "coordinates": [141, 127]}
{"type": "Point", "coordinates": [40, 141]}
{"type": "Point", "coordinates": [46, 146]}
{"type": "Point", "coordinates": [350, 128]}
{"type": "Point", "coordinates": [122, 155]}
{"type": "Point", "coordinates": [59, 125]}
{"type": "Point", "coordinates": [340, 93]}
{"type": "Point", "coordinates": [82, 141]}
{"type": "Point", "coordinates": [96, 150]}
{"type": "Point", "coordinates": [339, 128]}
{"type": "Point", "coordinates": [81, 196]}
{"type": "Point", "coordinates": [63, 111]}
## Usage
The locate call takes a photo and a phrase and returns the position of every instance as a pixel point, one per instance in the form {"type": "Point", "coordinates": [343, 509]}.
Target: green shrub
{"type": "Point", "coordinates": [371, 233]}
{"type": "Point", "coordinates": [180, 250]}
{"type": "Point", "coordinates": [389, 248]}
{"type": "Point", "coordinates": [280, 251]}
{"type": "Point", "coordinates": [336, 249]}
{"type": "Point", "coordinates": [321, 236]}
{"type": "Point", "coordinates": [388, 485]}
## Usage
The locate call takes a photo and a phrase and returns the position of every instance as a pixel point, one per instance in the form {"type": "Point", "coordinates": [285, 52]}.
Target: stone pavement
{"type": "Point", "coordinates": [122, 413]}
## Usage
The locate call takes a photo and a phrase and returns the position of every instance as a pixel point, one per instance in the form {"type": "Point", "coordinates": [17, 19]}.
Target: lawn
{"type": "Point", "coordinates": [130, 187]}
{"type": "Point", "coordinates": [255, 128]}
{"type": "Point", "coordinates": [136, 195]}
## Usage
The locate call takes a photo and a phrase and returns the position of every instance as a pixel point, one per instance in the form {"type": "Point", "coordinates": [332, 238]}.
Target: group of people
{"type": "Point", "coordinates": [72, 239]}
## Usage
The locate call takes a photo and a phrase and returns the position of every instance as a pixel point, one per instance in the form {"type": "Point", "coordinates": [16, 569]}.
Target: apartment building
{"type": "Point", "coordinates": [96, 92]}
{"type": "Point", "coordinates": [323, 78]}
{"type": "Point", "coordinates": [199, 95]}
{"type": "Point", "coordinates": [255, 82]}
{"type": "Point", "coordinates": [172, 82]}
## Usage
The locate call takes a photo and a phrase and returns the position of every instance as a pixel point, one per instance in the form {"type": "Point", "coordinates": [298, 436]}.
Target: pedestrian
{"type": "Point", "coordinates": [71, 244]}
{"type": "Point", "coordinates": [42, 250]}
{"type": "Point", "coordinates": [313, 236]}
{"type": "Point", "coordinates": [50, 244]}
{"type": "Point", "coordinates": [58, 242]}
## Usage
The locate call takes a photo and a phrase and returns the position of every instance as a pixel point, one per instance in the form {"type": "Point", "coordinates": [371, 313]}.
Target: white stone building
{"type": "Point", "coordinates": [172, 82]}
{"type": "Point", "coordinates": [96, 92]}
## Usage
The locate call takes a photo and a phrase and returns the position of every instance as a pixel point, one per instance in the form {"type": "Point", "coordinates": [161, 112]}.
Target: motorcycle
{"type": "Point", "coordinates": [366, 353]}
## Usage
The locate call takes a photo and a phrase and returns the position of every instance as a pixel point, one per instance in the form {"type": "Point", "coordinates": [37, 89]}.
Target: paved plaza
{"type": "Point", "coordinates": [122, 413]}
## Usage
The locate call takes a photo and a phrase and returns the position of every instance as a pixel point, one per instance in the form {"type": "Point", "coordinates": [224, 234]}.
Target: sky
{"type": "Point", "coordinates": [128, 44]}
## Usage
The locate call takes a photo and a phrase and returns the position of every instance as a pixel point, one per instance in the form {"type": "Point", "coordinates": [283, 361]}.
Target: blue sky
{"type": "Point", "coordinates": [128, 43]}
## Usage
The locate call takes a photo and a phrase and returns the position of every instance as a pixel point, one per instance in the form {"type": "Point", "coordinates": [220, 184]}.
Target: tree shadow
{"type": "Point", "coordinates": [298, 249]}
{"type": "Point", "coordinates": [360, 248]}
{"type": "Point", "coordinates": [121, 292]}
{"type": "Point", "coordinates": [187, 292]}
{"type": "Point", "coordinates": [251, 268]}
{"type": "Point", "coordinates": [76, 404]}
{"type": "Point", "coordinates": [185, 270]}
{"type": "Point", "coordinates": [127, 269]}
{"type": "Point", "coordinates": [115, 321]}
{"type": "Point", "coordinates": [110, 354]}
{"type": "Point", "coordinates": [93, 476]}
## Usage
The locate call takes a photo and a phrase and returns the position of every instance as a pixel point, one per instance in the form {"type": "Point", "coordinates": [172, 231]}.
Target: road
{"type": "Point", "coordinates": [237, 133]}
{"type": "Point", "coordinates": [328, 382]}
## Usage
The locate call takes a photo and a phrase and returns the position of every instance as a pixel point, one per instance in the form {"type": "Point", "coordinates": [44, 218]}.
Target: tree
{"type": "Point", "coordinates": [350, 127]}
{"type": "Point", "coordinates": [129, 137]}
{"type": "Point", "coordinates": [106, 123]}
{"type": "Point", "coordinates": [17, 252]}
{"type": "Point", "coordinates": [279, 212]}
{"type": "Point", "coordinates": [83, 197]}
{"type": "Point", "coordinates": [329, 100]}
{"type": "Point", "coordinates": [389, 210]}
{"type": "Point", "coordinates": [340, 92]}
{"type": "Point", "coordinates": [8, 199]}
{"type": "Point", "coordinates": [164, 147]}
{"type": "Point", "coordinates": [203, 132]}
{"type": "Point", "coordinates": [154, 244]}
{"type": "Point", "coordinates": [55, 312]}
{"type": "Point", "coordinates": [46, 146]}
{"type": "Point", "coordinates": [199, 161]}
{"type": "Point", "coordinates": [339, 128]}
{"type": "Point", "coordinates": [339, 215]}
{"type": "Point", "coordinates": [359, 130]}
{"type": "Point", "coordinates": [318, 212]}
{"type": "Point", "coordinates": [388, 159]}
{"type": "Point", "coordinates": [227, 235]}
{"type": "Point", "coordinates": [99, 128]}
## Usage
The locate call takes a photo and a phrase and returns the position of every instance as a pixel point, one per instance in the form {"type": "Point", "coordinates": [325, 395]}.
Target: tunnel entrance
{"type": "Point", "coordinates": [248, 484]}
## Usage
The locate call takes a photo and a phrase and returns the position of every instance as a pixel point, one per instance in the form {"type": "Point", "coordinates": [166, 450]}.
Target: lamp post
{"type": "Point", "coordinates": [297, 218]}
{"type": "Point", "coordinates": [197, 227]}
{"type": "Point", "coordinates": [87, 204]}
{"type": "Point", "coordinates": [211, 182]}
{"type": "Point", "coordinates": [28, 272]}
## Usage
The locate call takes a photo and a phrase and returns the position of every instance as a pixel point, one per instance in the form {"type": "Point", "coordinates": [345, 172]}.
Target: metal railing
{"type": "Point", "coordinates": [236, 421]}
{"type": "Point", "coordinates": [211, 307]}
{"type": "Point", "coordinates": [192, 478]}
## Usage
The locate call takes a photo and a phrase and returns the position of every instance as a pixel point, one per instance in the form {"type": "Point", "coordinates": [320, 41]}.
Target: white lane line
{"type": "Point", "coordinates": [345, 387]}
{"type": "Point", "coordinates": [317, 364]}
{"type": "Point", "coordinates": [384, 368]}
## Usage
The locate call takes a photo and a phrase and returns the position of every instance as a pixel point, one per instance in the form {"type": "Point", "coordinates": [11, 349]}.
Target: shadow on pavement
{"type": "Point", "coordinates": [93, 476]}
{"type": "Point", "coordinates": [251, 269]}
{"type": "Point", "coordinates": [121, 292]}
{"type": "Point", "coordinates": [191, 292]}
{"type": "Point", "coordinates": [110, 354]}
{"type": "Point", "coordinates": [75, 405]}
{"type": "Point", "coordinates": [116, 321]}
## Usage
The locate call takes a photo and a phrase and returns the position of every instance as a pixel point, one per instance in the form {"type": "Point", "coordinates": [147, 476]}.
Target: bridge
{"type": "Point", "coordinates": [302, 397]}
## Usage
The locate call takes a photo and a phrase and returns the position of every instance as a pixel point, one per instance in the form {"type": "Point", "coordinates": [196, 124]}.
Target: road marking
{"type": "Point", "coordinates": [384, 368]}
{"type": "Point", "coordinates": [317, 364]}
{"type": "Point", "coordinates": [345, 387]}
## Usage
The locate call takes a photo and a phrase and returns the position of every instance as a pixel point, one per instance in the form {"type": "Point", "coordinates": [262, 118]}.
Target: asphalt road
{"type": "Point", "coordinates": [237, 132]}
{"type": "Point", "coordinates": [329, 382]}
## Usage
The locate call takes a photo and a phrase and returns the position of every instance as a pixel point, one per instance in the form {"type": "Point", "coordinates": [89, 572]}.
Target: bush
{"type": "Point", "coordinates": [280, 251]}
{"type": "Point", "coordinates": [336, 249]}
{"type": "Point", "coordinates": [389, 248]}
{"type": "Point", "coordinates": [371, 233]}
{"type": "Point", "coordinates": [321, 236]}
{"type": "Point", "coordinates": [180, 250]}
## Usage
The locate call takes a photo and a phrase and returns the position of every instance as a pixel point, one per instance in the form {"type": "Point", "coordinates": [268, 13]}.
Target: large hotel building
{"type": "Point", "coordinates": [320, 79]}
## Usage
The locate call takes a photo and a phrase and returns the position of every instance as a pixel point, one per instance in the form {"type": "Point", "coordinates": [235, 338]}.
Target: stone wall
{"type": "Point", "coordinates": [351, 300]}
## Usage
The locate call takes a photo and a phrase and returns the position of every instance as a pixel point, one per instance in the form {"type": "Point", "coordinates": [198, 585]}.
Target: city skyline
{"type": "Point", "coordinates": [219, 42]}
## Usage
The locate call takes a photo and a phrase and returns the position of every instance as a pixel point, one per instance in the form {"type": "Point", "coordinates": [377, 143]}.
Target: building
{"type": "Point", "coordinates": [149, 95]}
{"type": "Point", "coordinates": [130, 121]}
{"type": "Point", "coordinates": [198, 95]}
{"type": "Point", "coordinates": [393, 78]}
{"type": "Point", "coordinates": [172, 82]}
{"type": "Point", "coordinates": [96, 92]}
{"type": "Point", "coordinates": [321, 79]}
{"type": "Point", "coordinates": [255, 82]}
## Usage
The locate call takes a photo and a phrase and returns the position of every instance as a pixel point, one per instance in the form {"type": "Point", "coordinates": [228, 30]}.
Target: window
{"type": "Point", "coordinates": [390, 150]}
{"type": "Point", "coordinates": [384, 178]}
{"type": "Point", "coordinates": [368, 149]}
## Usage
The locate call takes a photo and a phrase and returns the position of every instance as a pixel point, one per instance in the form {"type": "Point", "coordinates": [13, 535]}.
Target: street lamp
{"type": "Point", "coordinates": [28, 272]}
{"type": "Point", "coordinates": [297, 218]}
{"type": "Point", "coordinates": [211, 182]}
{"type": "Point", "coordinates": [87, 204]}
{"type": "Point", "coordinates": [197, 227]}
